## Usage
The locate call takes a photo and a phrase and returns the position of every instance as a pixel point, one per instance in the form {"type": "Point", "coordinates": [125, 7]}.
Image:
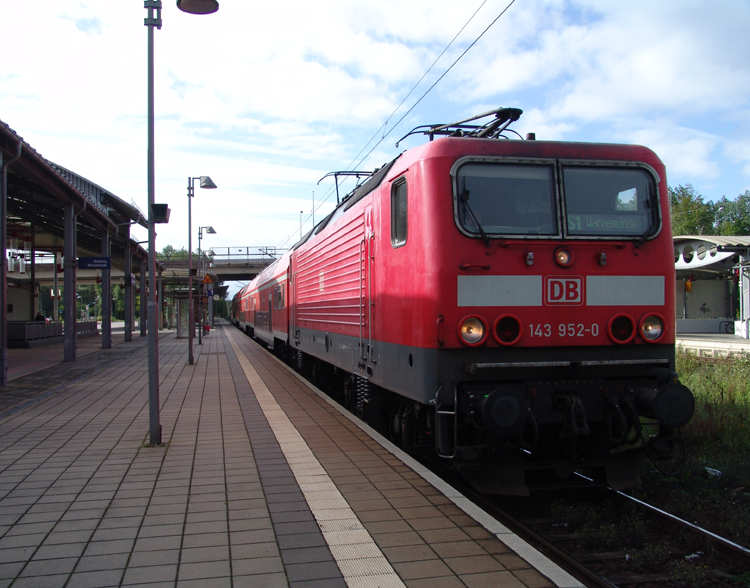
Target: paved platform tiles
{"type": "Point", "coordinates": [22, 362]}
{"type": "Point", "coordinates": [261, 482]}
{"type": "Point", "coordinates": [38, 371]}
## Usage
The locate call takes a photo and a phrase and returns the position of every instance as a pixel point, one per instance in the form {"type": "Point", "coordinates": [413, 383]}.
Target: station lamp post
{"type": "Point", "coordinates": [154, 20]}
{"type": "Point", "coordinates": [209, 231]}
{"type": "Point", "coordinates": [205, 182]}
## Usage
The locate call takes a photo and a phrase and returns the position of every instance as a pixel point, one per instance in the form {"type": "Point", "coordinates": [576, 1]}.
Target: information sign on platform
{"type": "Point", "coordinates": [94, 263]}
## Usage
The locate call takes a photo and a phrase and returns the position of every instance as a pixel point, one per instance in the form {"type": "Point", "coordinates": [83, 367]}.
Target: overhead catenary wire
{"type": "Point", "coordinates": [474, 42]}
{"type": "Point", "coordinates": [385, 134]}
{"type": "Point", "coordinates": [424, 75]}
{"type": "Point", "coordinates": [329, 193]}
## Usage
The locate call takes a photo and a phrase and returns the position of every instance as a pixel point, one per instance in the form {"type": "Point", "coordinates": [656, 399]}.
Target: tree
{"type": "Point", "coordinates": [170, 253]}
{"type": "Point", "coordinates": [733, 216]}
{"type": "Point", "coordinates": [690, 215]}
{"type": "Point", "coordinates": [89, 295]}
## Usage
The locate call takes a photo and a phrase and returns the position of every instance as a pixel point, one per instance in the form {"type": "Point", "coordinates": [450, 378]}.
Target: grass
{"type": "Point", "coordinates": [722, 402]}
{"type": "Point", "coordinates": [713, 490]}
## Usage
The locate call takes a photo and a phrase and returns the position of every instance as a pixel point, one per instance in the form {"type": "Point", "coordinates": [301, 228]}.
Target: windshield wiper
{"type": "Point", "coordinates": [642, 238]}
{"type": "Point", "coordinates": [464, 196]}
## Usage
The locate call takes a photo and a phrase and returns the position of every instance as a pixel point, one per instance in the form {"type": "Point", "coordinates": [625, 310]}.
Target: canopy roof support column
{"type": "Point", "coordinates": [56, 287]}
{"type": "Point", "coordinates": [71, 263]}
{"type": "Point", "coordinates": [4, 266]}
{"type": "Point", "coordinates": [144, 298]}
{"type": "Point", "coordinates": [161, 303]}
{"type": "Point", "coordinates": [106, 295]}
{"type": "Point", "coordinates": [128, 287]}
{"type": "Point", "coordinates": [34, 298]}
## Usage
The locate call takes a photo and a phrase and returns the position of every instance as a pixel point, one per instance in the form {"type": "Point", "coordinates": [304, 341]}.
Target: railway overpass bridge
{"type": "Point", "coordinates": [224, 264]}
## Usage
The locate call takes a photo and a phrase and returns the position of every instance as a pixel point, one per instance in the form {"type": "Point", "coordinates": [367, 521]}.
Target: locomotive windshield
{"type": "Point", "coordinates": [612, 202]}
{"type": "Point", "coordinates": [506, 199]}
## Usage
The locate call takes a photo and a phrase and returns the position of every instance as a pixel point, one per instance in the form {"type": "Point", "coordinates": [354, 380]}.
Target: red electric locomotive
{"type": "Point", "coordinates": [508, 304]}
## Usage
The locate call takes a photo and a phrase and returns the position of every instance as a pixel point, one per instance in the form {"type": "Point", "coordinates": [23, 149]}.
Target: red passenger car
{"type": "Point", "coordinates": [507, 303]}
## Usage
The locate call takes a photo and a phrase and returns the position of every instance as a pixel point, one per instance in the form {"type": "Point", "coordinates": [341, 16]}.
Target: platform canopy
{"type": "Point", "coordinates": [713, 284]}
{"type": "Point", "coordinates": [38, 192]}
{"type": "Point", "coordinates": [708, 256]}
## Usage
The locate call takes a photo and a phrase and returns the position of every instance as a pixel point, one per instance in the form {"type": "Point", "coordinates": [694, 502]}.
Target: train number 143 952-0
{"type": "Point", "coordinates": [563, 330]}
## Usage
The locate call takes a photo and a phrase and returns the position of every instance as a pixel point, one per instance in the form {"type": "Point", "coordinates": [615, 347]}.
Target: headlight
{"type": "Point", "coordinates": [563, 257]}
{"type": "Point", "coordinates": [472, 330]}
{"type": "Point", "coordinates": [652, 328]}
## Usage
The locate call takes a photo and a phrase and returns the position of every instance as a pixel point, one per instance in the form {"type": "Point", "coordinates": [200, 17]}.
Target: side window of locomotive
{"type": "Point", "coordinates": [500, 199]}
{"type": "Point", "coordinates": [610, 202]}
{"type": "Point", "coordinates": [399, 223]}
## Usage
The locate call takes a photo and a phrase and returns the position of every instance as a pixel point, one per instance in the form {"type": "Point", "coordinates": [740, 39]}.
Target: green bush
{"type": "Point", "coordinates": [722, 400]}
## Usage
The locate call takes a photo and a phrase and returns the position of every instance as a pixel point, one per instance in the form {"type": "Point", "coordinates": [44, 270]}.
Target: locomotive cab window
{"type": "Point", "coordinates": [504, 199]}
{"type": "Point", "coordinates": [399, 223]}
{"type": "Point", "coordinates": [612, 202]}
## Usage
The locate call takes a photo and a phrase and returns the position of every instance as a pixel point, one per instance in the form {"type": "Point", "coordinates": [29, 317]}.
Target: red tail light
{"type": "Point", "coordinates": [507, 330]}
{"type": "Point", "coordinates": [621, 328]}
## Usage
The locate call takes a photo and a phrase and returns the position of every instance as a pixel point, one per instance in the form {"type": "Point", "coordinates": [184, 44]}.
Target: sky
{"type": "Point", "coordinates": [268, 97]}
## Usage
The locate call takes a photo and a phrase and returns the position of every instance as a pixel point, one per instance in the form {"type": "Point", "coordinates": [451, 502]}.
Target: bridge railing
{"type": "Point", "coordinates": [243, 255]}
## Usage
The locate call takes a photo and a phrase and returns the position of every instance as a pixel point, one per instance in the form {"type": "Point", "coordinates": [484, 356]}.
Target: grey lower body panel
{"type": "Point", "coordinates": [418, 373]}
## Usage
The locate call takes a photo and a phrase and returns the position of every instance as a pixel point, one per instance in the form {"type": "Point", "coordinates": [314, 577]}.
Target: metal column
{"type": "Point", "coordinates": [56, 292]}
{"type": "Point", "coordinates": [128, 287]}
{"type": "Point", "coordinates": [34, 301]}
{"type": "Point", "coordinates": [4, 266]}
{"type": "Point", "coordinates": [106, 296]}
{"type": "Point", "coordinates": [144, 299]}
{"type": "Point", "coordinates": [152, 314]}
{"type": "Point", "coordinates": [160, 297]}
{"type": "Point", "coordinates": [70, 265]}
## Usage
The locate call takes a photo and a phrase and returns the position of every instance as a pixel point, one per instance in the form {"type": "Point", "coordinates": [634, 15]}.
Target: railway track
{"type": "Point", "coordinates": [667, 552]}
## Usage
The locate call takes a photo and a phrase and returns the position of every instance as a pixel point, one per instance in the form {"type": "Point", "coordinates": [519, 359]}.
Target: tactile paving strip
{"type": "Point", "coordinates": [359, 558]}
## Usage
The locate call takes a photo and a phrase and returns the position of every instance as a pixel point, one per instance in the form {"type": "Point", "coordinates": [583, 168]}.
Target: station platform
{"type": "Point", "coordinates": [261, 481]}
{"type": "Point", "coordinates": [713, 345]}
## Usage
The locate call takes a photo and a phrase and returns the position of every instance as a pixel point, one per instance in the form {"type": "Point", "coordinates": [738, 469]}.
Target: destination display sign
{"type": "Point", "coordinates": [94, 263]}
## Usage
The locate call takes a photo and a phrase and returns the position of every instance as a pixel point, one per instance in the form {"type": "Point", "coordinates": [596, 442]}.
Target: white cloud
{"type": "Point", "coordinates": [268, 97]}
{"type": "Point", "coordinates": [685, 152]}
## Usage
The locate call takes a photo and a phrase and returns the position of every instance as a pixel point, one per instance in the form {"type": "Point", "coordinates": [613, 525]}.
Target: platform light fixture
{"type": "Point", "coordinates": [153, 20]}
{"type": "Point", "coordinates": [205, 182]}
{"type": "Point", "coordinates": [209, 231]}
{"type": "Point", "coordinates": [198, 6]}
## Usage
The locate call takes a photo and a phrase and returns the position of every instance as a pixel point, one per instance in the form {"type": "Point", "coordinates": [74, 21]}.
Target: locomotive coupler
{"type": "Point", "coordinates": [576, 423]}
{"type": "Point", "coordinates": [623, 422]}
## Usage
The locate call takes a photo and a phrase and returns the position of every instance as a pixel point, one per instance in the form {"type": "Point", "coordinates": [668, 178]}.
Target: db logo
{"type": "Point", "coordinates": [559, 290]}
